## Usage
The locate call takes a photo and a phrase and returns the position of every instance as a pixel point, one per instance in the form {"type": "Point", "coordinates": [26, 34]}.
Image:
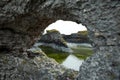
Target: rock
{"type": "Point", "coordinates": [53, 36]}
{"type": "Point", "coordinates": [27, 67]}
{"type": "Point", "coordinates": [76, 38]}
{"type": "Point", "coordinates": [21, 22]}
{"type": "Point", "coordinates": [54, 39]}
{"type": "Point", "coordinates": [72, 75]}
{"type": "Point", "coordinates": [38, 68]}
{"type": "Point", "coordinates": [104, 65]}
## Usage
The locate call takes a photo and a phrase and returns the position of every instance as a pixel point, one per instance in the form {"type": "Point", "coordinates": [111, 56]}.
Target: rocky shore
{"type": "Point", "coordinates": [80, 37]}
{"type": "Point", "coordinates": [54, 39]}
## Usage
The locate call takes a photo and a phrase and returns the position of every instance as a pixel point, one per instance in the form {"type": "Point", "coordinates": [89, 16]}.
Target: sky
{"type": "Point", "coordinates": [66, 27]}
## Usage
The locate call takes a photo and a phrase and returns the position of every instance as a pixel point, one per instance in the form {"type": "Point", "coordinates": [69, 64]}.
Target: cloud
{"type": "Point", "coordinates": [66, 27]}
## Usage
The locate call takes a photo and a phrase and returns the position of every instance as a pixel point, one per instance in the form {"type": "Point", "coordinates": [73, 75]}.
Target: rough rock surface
{"type": "Point", "coordinates": [16, 68]}
{"type": "Point", "coordinates": [34, 66]}
{"type": "Point", "coordinates": [76, 38]}
{"type": "Point", "coordinates": [21, 21]}
{"type": "Point", "coordinates": [54, 39]}
{"type": "Point", "coordinates": [53, 36]}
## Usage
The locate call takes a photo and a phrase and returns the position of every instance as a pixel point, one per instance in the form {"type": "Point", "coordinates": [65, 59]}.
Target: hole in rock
{"type": "Point", "coordinates": [119, 34]}
{"type": "Point", "coordinates": [4, 49]}
{"type": "Point", "coordinates": [67, 42]}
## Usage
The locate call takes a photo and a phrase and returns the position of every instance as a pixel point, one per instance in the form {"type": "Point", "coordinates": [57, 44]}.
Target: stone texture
{"type": "Point", "coordinates": [54, 39]}
{"type": "Point", "coordinates": [39, 67]}
{"type": "Point", "coordinates": [53, 36]}
{"type": "Point", "coordinates": [34, 66]}
{"type": "Point", "coordinates": [76, 38]}
{"type": "Point", "coordinates": [104, 65]}
{"type": "Point", "coordinates": [20, 18]}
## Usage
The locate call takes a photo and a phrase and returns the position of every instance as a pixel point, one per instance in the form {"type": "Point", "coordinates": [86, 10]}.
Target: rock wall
{"type": "Point", "coordinates": [21, 22]}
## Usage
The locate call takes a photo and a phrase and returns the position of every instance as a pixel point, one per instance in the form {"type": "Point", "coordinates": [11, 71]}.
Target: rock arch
{"type": "Point", "coordinates": [22, 21]}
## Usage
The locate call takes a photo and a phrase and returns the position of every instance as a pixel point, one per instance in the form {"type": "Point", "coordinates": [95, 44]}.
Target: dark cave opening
{"type": "Point", "coordinates": [4, 49]}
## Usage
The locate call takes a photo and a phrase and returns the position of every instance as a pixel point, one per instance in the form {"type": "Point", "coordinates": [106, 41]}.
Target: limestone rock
{"type": "Point", "coordinates": [53, 36]}
{"type": "Point", "coordinates": [38, 68]}
{"type": "Point", "coordinates": [21, 21]}
{"type": "Point", "coordinates": [76, 38]}
{"type": "Point", "coordinates": [27, 67]}
{"type": "Point", "coordinates": [54, 39]}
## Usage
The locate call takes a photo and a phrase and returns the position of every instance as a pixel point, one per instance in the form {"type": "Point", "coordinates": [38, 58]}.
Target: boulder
{"type": "Point", "coordinates": [54, 39]}
{"type": "Point", "coordinates": [53, 36]}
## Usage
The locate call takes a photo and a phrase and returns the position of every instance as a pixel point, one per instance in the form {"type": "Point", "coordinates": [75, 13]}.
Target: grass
{"type": "Point", "coordinates": [81, 52]}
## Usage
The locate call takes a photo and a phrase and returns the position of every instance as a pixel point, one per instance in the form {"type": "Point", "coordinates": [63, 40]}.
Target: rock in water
{"type": "Point", "coordinates": [54, 39]}
{"type": "Point", "coordinates": [53, 36]}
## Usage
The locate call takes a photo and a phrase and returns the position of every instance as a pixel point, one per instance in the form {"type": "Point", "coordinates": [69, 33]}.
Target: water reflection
{"type": "Point", "coordinates": [72, 62]}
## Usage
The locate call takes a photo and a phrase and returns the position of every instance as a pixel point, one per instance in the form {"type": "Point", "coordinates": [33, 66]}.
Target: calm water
{"type": "Point", "coordinates": [79, 44]}
{"type": "Point", "coordinates": [72, 62]}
